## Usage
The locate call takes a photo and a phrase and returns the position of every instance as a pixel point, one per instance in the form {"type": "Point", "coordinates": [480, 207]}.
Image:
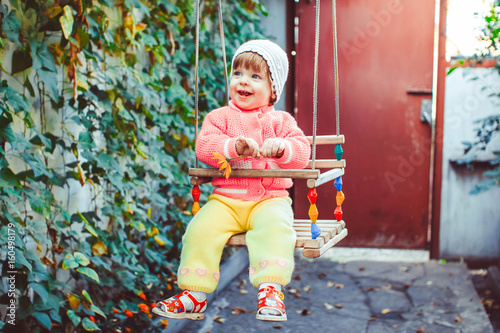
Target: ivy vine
{"type": "Point", "coordinates": [96, 136]}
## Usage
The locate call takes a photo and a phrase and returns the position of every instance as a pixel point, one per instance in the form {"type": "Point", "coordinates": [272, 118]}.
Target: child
{"type": "Point", "coordinates": [259, 206]}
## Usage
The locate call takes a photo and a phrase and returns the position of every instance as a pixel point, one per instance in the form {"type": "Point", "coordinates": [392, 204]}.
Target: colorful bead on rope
{"type": "Point", "coordinates": [338, 152]}
{"type": "Point", "coordinates": [339, 198]}
{"type": "Point", "coordinates": [313, 213]}
{"type": "Point", "coordinates": [196, 196]}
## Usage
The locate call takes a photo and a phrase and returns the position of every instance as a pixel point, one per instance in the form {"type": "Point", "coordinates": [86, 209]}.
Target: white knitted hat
{"type": "Point", "coordinates": [275, 57]}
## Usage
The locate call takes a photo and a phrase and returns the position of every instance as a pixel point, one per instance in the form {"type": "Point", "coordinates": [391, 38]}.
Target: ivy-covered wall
{"type": "Point", "coordinates": [96, 136]}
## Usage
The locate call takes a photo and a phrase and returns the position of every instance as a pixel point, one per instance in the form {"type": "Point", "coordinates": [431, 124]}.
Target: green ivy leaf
{"type": "Point", "coordinates": [15, 100]}
{"type": "Point", "coordinates": [88, 325]}
{"type": "Point", "coordinates": [81, 258]}
{"type": "Point", "coordinates": [74, 317]}
{"type": "Point", "coordinates": [88, 226]}
{"type": "Point", "coordinates": [20, 259]}
{"type": "Point", "coordinates": [86, 296]}
{"type": "Point", "coordinates": [89, 272]}
{"type": "Point", "coordinates": [97, 310]}
{"type": "Point", "coordinates": [54, 315]}
{"type": "Point", "coordinates": [11, 26]}
{"type": "Point", "coordinates": [69, 262]}
{"type": "Point", "coordinates": [8, 176]}
{"type": "Point", "coordinates": [43, 319]}
{"type": "Point", "coordinates": [67, 21]}
{"type": "Point", "coordinates": [40, 290]}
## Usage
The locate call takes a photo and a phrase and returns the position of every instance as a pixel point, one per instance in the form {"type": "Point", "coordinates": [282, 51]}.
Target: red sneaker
{"type": "Point", "coordinates": [174, 307]}
{"type": "Point", "coordinates": [271, 298]}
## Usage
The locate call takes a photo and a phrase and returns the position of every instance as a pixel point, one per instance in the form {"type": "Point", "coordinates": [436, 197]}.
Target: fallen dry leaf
{"type": "Point", "coordinates": [339, 286]}
{"type": "Point", "coordinates": [386, 287]}
{"type": "Point", "coordinates": [458, 319]}
{"type": "Point", "coordinates": [296, 277]}
{"type": "Point", "coordinates": [293, 290]}
{"type": "Point", "coordinates": [373, 318]}
{"type": "Point", "coordinates": [277, 326]}
{"type": "Point", "coordinates": [305, 312]}
{"type": "Point", "coordinates": [237, 310]}
{"type": "Point", "coordinates": [219, 319]}
{"type": "Point", "coordinates": [403, 269]}
{"type": "Point", "coordinates": [322, 275]}
{"type": "Point", "coordinates": [361, 268]}
{"type": "Point", "coordinates": [243, 291]}
{"type": "Point", "coordinates": [385, 311]}
{"type": "Point", "coordinates": [339, 306]}
{"type": "Point", "coordinates": [330, 284]}
{"type": "Point", "coordinates": [164, 323]}
{"type": "Point", "coordinates": [307, 288]}
{"type": "Point", "coordinates": [421, 330]}
{"type": "Point", "coordinates": [328, 306]}
{"type": "Point", "coordinates": [429, 283]}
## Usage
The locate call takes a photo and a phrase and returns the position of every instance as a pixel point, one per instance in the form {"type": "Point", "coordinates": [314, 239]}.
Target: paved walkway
{"type": "Point", "coordinates": [357, 296]}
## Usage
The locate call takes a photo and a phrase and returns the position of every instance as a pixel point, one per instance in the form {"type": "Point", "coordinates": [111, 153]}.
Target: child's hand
{"type": "Point", "coordinates": [273, 147]}
{"type": "Point", "coordinates": [247, 146]}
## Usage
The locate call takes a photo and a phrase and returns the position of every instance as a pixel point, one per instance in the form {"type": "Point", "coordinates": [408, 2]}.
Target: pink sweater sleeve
{"type": "Point", "coordinates": [213, 138]}
{"type": "Point", "coordinates": [298, 150]}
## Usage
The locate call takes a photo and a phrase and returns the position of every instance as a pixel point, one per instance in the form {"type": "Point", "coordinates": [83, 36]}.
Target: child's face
{"type": "Point", "coordinates": [249, 89]}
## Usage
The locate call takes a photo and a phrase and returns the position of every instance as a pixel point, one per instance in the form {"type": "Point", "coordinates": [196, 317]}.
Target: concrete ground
{"type": "Point", "coordinates": [355, 290]}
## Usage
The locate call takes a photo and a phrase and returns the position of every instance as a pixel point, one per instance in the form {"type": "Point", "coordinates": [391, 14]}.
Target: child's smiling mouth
{"type": "Point", "coordinates": [244, 93]}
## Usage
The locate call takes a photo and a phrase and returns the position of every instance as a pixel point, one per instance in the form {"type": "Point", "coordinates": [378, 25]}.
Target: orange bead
{"type": "Point", "coordinates": [313, 213]}
{"type": "Point", "coordinates": [196, 208]}
{"type": "Point", "coordinates": [338, 213]}
{"type": "Point", "coordinates": [340, 198]}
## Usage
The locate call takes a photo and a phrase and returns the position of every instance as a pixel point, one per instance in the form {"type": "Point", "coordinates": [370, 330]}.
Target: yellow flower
{"type": "Point", "coordinates": [224, 164]}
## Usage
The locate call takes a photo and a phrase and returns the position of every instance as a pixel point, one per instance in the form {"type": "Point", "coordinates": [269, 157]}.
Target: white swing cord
{"type": "Point", "coordinates": [196, 91]}
{"type": "Point", "coordinates": [197, 57]}
{"type": "Point", "coordinates": [336, 66]}
{"type": "Point", "coordinates": [336, 75]}
{"type": "Point", "coordinates": [315, 85]}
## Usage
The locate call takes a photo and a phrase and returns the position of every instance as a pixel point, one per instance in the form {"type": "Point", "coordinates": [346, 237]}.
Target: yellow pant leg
{"type": "Point", "coordinates": [271, 242]}
{"type": "Point", "coordinates": [203, 242]}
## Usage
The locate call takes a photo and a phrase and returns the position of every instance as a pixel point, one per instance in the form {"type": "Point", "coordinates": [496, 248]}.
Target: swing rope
{"type": "Point", "coordinates": [315, 85]}
{"type": "Point", "coordinates": [221, 30]}
{"type": "Point", "coordinates": [197, 66]}
{"type": "Point", "coordinates": [196, 91]}
{"type": "Point", "coordinates": [336, 66]}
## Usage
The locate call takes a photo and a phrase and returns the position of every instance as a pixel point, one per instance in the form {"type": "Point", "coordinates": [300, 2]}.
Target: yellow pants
{"type": "Point", "coordinates": [270, 240]}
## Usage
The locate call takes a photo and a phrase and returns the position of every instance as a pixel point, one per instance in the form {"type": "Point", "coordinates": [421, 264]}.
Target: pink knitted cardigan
{"type": "Point", "coordinates": [219, 133]}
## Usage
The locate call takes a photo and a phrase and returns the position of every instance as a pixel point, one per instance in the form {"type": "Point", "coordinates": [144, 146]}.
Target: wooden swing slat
{"type": "Point", "coordinates": [327, 139]}
{"type": "Point", "coordinates": [315, 252]}
{"type": "Point", "coordinates": [325, 177]}
{"type": "Point", "coordinates": [257, 173]}
{"type": "Point", "coordinates": [330, 230]}
{"type": "Point", "coordinates": [326, 164]}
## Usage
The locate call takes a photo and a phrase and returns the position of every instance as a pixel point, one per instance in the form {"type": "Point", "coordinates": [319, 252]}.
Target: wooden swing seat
{"type": "Point", "coordinates": [314, 177]}
{"type": "Point", "coordinates": [332, 231]}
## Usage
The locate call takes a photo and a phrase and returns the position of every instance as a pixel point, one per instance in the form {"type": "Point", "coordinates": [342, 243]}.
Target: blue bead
{"type": "Point", "coordinates": [315, 231]}
{"type": "Point", "coordinates": [338, 183]}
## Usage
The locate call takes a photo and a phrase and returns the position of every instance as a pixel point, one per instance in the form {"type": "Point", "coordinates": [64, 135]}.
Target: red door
{"type": "Point", "coordinates": [385, 52]}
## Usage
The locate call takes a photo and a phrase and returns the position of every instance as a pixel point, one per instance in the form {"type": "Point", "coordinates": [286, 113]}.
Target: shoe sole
{"type": "Point", "coordinates": [270, 317]}
{"type": "Point", "coordinates": [182, 315]}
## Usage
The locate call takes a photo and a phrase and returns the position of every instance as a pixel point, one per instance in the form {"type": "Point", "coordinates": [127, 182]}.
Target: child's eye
{"type": "Point", "coordinates": [236, 73]}
{"type": "Point", "coordinates": [255, 76]}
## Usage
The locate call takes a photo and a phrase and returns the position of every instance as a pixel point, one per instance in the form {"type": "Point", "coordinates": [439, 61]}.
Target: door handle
{"type": "Point", "coordinates": [426, 111]}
